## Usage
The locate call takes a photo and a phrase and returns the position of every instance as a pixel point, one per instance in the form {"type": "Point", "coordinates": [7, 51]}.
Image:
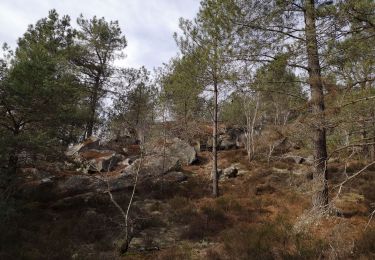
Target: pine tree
{"type": "Point", "coordinates": [41, 98]}
{"type": "Point", "coordinates": [208, 39]}
{"type": "Point", "coordinates": [101, 42]}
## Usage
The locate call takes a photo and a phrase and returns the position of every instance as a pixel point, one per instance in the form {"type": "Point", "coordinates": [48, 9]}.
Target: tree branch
{"type": "Point", "coordinates": [354, 175]}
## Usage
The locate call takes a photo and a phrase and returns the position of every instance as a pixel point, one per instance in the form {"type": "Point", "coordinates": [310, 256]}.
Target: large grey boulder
{"type": "Point", "coordinates": [91, 156]}
{"type": "Point", "coordinates": [76, 184]}
{"type": "Point", "coordinates": [197, 146]}
{"type": "Point", "coordinates": [148, 168]}
{"type": "Point", "coordinates": [153, 166]}
{"type": "Point", "coordinates": [74, 187]}
{"type": "Point", "coordinates": [241, 141]}
{"type": "Point", "coordinates": [227, 143]}
{"type": "Point", "coordinates": [175, 147]}
{"type": "Point", "coordinates": [309, 160]}
{"type": "Point", "coordinates": [230, 172]}
{"type": "Point", "coordinates": [99, 160]}
{"type": "Point", "coordinates": [236, 136]}
{"type": "Point", "coordinates": [173, 177]}
{"type": "Point", "coordinates": [294, 158]}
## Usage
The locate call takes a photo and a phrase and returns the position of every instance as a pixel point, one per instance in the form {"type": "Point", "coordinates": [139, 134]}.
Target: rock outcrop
{"type": "Point", "coordinates": [152, 166]}
{"type": "Point", "coordinates": [293, 158]}
{"type": "Point", "coordinates": [92, 157]}
{"type": "Point", "coordinates": [99, 160]}
{"type": "Point", "coordinates": [90, 143]}
{"type": "Point", "coordinates": [226, 143]}
{"type": "Point", "coordinates": [175, 147]}
{"type": "Point", "coordinates": [100, 170]}
{"type": "Point", "coordinates": [230, 138]}
{"type": "Point", "coordinates": [230, 172]}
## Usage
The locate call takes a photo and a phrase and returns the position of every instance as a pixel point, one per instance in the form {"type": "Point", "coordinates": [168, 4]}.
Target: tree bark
{"type": "Point", "coordinates": [13, 154]}
{"type": "Point", "coordinates": [253, 126]}
{"type": "Point", "coordinates": [372, 149]}
{"type": "Point", "coordinates": [93, 105]}
{"type": "Point", "coordinates": [365, 148]}
{"type": "Point", "coordinates": [215, 183]}
{"type": "Point", "coordinates": [320, 185]}
{"type": "Point", "coordinates": [248, 133]}
{"type": "Point", "coordinates": [185, 116]}
{"type": "Point", "coordinates": [13, 162]}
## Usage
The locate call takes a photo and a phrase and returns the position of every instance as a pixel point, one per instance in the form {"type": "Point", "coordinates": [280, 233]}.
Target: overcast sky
{"type": "Point", "coordinates": [147, 24]}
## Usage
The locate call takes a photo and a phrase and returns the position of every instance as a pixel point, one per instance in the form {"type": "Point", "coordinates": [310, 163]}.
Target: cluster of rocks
{"type": "Point", "coordinates": [291, 158]}
{"type": "Point", "coordinates": [91, 156]}
{"type": "Point", "coordinates": [231, 172]}
{"type": "Point", "coordinates": [234, 137]}
{"type": "Point", "coordinates": [158, 155]}
{"type": "Point", "coordinates": [98, 169]}
{"type": "Point", "coordinates": [231, 138]}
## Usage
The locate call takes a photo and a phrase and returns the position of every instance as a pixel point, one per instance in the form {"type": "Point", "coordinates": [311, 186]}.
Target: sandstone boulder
{"type": "Point", "coordinates": [227, 143]}
{"type": "Point", "coordinates": [153, 165]}
{"type": "Point", "coordinates": [230, 172]}
{"type": "Point", "coordinates": [76, 184]}
{"type": "Point", "coordinates": [175, 147]}
{"type": "Point", "coordinates": [309, 160]}
{"type": "Point", "coordinates": [100, 160]}
{"type": "Point", "coordinates": [92, 157]}
{"type": "Point", "coordinates": [173, 177]}
{"type": "Point", "coordinates": [294, 158]}
{"type": "Point", "coordinates": [90, 143]}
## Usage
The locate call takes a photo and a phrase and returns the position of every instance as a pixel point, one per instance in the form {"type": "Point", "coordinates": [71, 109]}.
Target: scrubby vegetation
{"type": "Point", "coordinates": [256, 141]}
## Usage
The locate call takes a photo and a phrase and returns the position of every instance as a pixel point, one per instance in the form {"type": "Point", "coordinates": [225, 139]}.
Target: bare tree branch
{"type": "Point", "coordinates": [357, 100]}
{"type": "Point", "coordinates": [354, 175]}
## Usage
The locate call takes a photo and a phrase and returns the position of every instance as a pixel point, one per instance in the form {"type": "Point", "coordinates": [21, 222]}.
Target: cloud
{"type": "Point", "coordinates": [147, 24]}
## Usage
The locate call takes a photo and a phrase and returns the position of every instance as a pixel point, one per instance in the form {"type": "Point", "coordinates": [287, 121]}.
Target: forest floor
{"type": "Point", "coordinates": [263, 213]}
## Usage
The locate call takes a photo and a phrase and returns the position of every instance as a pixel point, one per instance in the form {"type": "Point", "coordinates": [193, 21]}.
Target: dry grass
{"type": "Point", "coordinates": [247, 221]}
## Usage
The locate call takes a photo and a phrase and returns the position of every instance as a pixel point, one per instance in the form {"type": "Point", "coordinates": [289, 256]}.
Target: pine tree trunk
{"type": "Point", "coordinates": [253, 126]}
{"type": "Point", "coordinates": [320, 185]}
{"type": "Point", "coordinates": [215, 183]}
{"type": "Point", "coordinates": [89, 128]}
{"type": "Point", "coordinates": [93, 105]}
{"type": "Point", "coordinates": [13, 154]}
{"type": "Point", "coordinates": [365, 148]}
{"type": "Point", "coordinates": [185, 117]}
{"type": "Point", "coordinates": [372, 148]}
{"type": "Point", "coordinates": [91, 119]}
{"type": "Point", "coordinates": [12, 162]}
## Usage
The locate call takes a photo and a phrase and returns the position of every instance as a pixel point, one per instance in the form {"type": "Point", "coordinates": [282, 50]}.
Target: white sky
{"type": "Point", "coordinates": [147, 24]}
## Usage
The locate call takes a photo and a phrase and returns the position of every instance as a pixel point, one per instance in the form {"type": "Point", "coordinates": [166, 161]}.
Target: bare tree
{"type": "Point", "coordinates": [251, 114]}
{"type": "Point", "coordinates": [127, 223]}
